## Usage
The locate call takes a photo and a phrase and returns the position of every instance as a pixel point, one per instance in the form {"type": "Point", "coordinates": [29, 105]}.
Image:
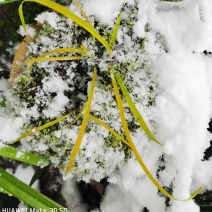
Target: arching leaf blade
{"type": "Point", "coordinates": [64, 11]}
{"type": "Point", "coordinates": [133, 108]}
{"type": "Point", "coordinates": [131, 143]}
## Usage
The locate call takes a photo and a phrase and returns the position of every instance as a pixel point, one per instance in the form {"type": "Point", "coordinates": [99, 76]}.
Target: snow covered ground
{"type": "Point", "coordinates": [181, 114]}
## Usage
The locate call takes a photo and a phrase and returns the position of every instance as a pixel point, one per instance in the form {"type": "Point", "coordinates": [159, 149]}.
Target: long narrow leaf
{"type": "Point", "coordinates": [38, 173]}
{"type": "Point", "coordinates": [16, 154]}
{"type": "Point", "coordinates": [77, 117]}
{"type": "Point", "coordinates": [108, 128]}
{"type": "Point", "coordinates": [62, 50]}
{"type": "Point", "coordinates": [46, 59]}
{"type": "Point", "coordinates": [37, 129]}
{"type": "Point", "coordinates": [115, 32]}
{"type": "Point", "coordinates": [27, 194]}
{"type": "Point", "coordinates": [139, 159]}
{"type": "Point", "coordinates": [8, 1]}
{"type": "Point", "coordinates": [84, 123]}
{"type": "Point", "coordinates": [64, 11]}
{"type": "Point", "coordinates": [82, 11]}
{"type": "Point", "coordinates": [133, 108]}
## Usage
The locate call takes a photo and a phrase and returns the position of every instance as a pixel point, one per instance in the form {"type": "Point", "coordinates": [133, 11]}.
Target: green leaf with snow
{"type": "Point", "coordinates": [25, 193]}
{"type": "Point", "coordinates": [16, 154]}
{"type": "Point", "coordinates": [115, 32]}
{"type": "Point", "coordinates": [7, 1]}
{"type": "Point", "coordinates": [133, 108]}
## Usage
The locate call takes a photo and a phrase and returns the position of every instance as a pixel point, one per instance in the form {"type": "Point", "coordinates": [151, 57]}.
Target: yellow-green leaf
{"type": "Point", "coordinates": [115, 32]}
{"type": "Point", "coordinates": [133, 108]}
{"type": "Point", "coordinates": [69, 125]}
{"type": "Point", "coordinates": [37, 129]}
{"type": "Point", "coordinates": [82, 11]}
{"type": "Point", "coordinates": [108, 128]}
{"type": "Point", "coordinates": [64, 11]}
{"type": "Point", "coordinates": [81, 50]}
{"type": "Point", "coordinates": [84, 123]}
{"type": "Point", "coordinates": [138, 157]}
{"type": "Point", "coordinates": [46, 59]}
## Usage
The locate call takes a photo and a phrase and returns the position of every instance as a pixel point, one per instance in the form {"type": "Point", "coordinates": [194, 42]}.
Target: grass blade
{"type": "Point", "coordinates": [65, 50]}
{"type": "Point", "coordinates": [16, 154]}
{"type": "Point", "coordinates": [69, 125]}
{"type": "Point", "coordinates": [46, 59]}
{"type": "Point", "coordinates": [84, 123]}
{"type": "Point", "coordinates": [38, 173]}
{"type": "Point", "coordinates": [64, 11]}
{"type": "Point", "coordinates": [108, 128]}
{"type": "Point", "coordinates": [82, 11]}
{"type": "Point", "coordinates": [37, 129]}
{"type": "Point", "coordinates": [8, 1]}
{"type": "Point", "coordinates": [133, 108]}
{"type": "Point", "coordinates": [115, 32]}
{"type": "Point", "coordinates": [139, 159]}
{"type": "Point", "coordinates": [27, 194]}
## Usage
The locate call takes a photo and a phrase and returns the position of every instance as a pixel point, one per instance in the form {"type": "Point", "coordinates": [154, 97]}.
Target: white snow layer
{"type": "Point", "coordinates": [183, 108]}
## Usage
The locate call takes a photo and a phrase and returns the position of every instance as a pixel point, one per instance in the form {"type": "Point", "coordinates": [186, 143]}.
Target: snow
{"type": "Point", "coordinates": [101, 9]}
{"type": "Point", "coordinates": [9, 128]}
{"type": "Point", "coordinates": [3, 84]}
{"type": "Point", "coordinates": [180, 32]}
{"type": "Point", "coordinates": [30, 31]}
{"type": "Point", "coordinates": [49, 17]}
{"type": "Point", "coordinates": [71, 192]}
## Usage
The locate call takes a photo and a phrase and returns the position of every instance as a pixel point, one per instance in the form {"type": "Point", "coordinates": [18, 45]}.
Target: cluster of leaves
{"type": "Point", "coordinates": [28, 85]}
{"type": "Point", "coordinates": [115, 74]}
